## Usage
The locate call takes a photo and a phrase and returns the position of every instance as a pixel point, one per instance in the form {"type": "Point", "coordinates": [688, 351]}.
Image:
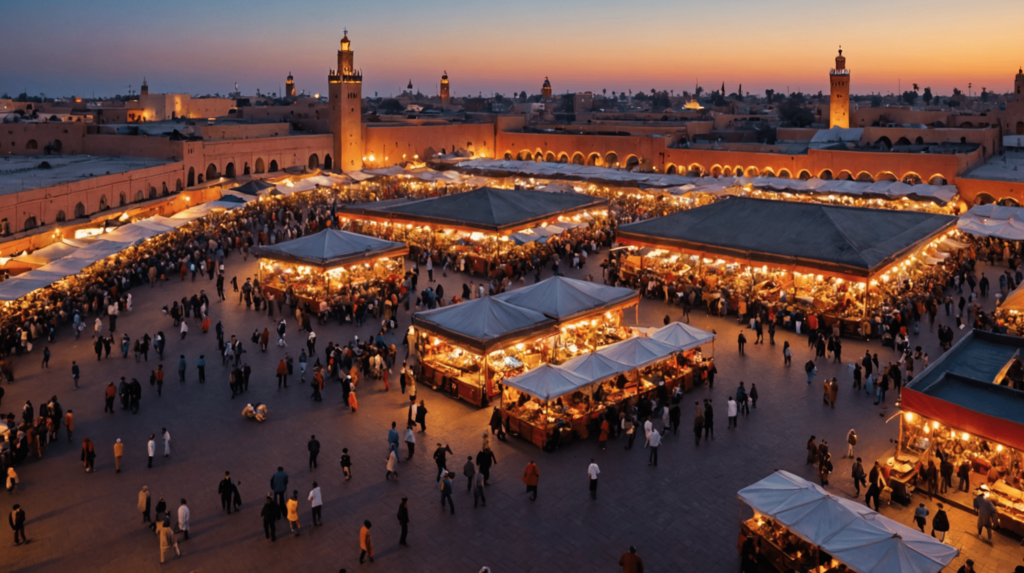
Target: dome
{"type": "Point", "coordinates": [547, 82]}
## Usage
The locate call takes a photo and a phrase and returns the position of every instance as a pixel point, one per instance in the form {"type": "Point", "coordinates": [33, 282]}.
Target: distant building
{"type": "Point", "coordinates": [445, 94]}
{"type": "Point", "coordinates": [289, 86]}
{"type": "Point", "coordinates": [346, 97]}
{"type": "Point", "coordinates": [839, 103]}
{"type": "Point", "coordinates": [545, 90]}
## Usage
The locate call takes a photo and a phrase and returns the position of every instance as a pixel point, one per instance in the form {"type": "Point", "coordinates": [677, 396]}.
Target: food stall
{"type": "Point", "coordinates": [840, 262]}
{"type": "Point", "coordinates": [566, 401]}
{"type": "Point", "coordinates": [798, 526]}
{"type": "Point", "coordinates": [967, 407]}
{"type": "Point", "coordinates": [315, 267]}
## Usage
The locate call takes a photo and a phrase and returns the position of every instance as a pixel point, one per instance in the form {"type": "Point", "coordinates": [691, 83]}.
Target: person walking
{"type": "Point", "coordinates": [709, 420]}
{"type": "Point", "coordinates": [88, 455]}
{"type": "Point", "coordinates": [391, 466]}
{"type": "Point", "coordinates": [76, 373]}
{"type": "Point", "coordinates": [875, 487]}
{"type": "Point", "coordinates": [12, 480]}
{"type": "Point", "coordinates": [201, 366]}
{"type": "Point", "coordinates": [314, 450]}
{"type": "Point", "coordinates": [940, 523]}
{"type": "Point", "coordinates": [478, 490]}
{"type": "Point", "coordinates": [631, 562]}
{"type": "Point", "coordinates": [151, 449]}
{"type": "Point", "coordinates": [346, 464]}
{"type": "Point", "coordinates": [742, 341]}
{"type": "Point", "coordinates": [167, 443]}
{"type": "Point", "coordinates": [484, 460]}
{"type": "Point", "coordinates": [183, 516]}
{"type": "Point", "coordinates": [421, 416]}
{"type": "Point", "coordinates": [446, 492]}
{"type": "Point", "coordinates": [110, 393]}
{"type": "Point", "coordinates": [365, 543]}
{"type": "Point", "coordinates": [17, 522]}
{"type": "Point", "coordinates": [731, 412]}
{"type": "Point", "coordinates": [441, 459]}
{"type": "Point", "coordinates": [698, 424]}
{"type": "Point", "coordinates": [410, 441]}
{"type": "Point", "coordinates": [69, 423]}
{"type": "Point", "coordinates": [270, 514]}
{"type": "Point", "coordinates": [469, 470]}
{"type": "Point", "coordinates": [182, 365]}
{"type": "Point", "coordinates": [403, 520]}
{"type": "Point", "coordinates": [858, 476]}
{"type": "Point", "coordinates": [118, 454]}
{"type": "Point", "coordinates": [226, 489]}
{"type": "Point", "coordinates": [987, 513]}
{"type": "Point", "coordinates": [652, 459]}
{"type": "Point", "coordinates": [531, 477]}
{"type": "Point", "coordinates": [279, 485]}
{"type": "Point", "coordinates": [316, 502]}
{"type": "Point", "coordinates": [144, 504]}
{"type": "Point", "coordinates": [593, 471]}
{"type": "Point", "coordinates": [851, 441]}
{"type": "Point", "coordinates": [292, 511]}
{"type": "Point", "coordinates": [921, 516]}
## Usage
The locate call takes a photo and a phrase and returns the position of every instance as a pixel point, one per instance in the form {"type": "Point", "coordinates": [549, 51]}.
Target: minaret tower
{"type": "Point", "coordinates": [1018, 85]}
{"type": "Point", "coordinates": [289, 86]}
{"type": "Point", "coordinates": [545, 90]}
{"type": "Point", "coordinates": [445, 94]}
{"type": "Point", "coordinates": [346, 96]}
{"type": "Point", "coordinates": [839, 103]}
{"type": "Point", "coordinates": [144, 90]}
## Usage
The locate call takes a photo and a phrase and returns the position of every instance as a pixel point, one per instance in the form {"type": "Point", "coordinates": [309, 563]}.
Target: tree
{"type": "Point", "coordinates": [522, 95]}
{"type": "Point", "coordinates": [391, 106]}
{"type": "Point", "coordinates": [876, 101]}
{"type": "Point", "coordinates": [915, 88]}
{"type": "Point", "coordinates": [909, 97]}
{"type": "Point", "coordinates": [927, 96]}
{"type": "Point", "coordinates": [660, 101]}
{"type": "Point", "coordinates": [604, 91]}
{"type": "Point", "coordinates": [795, 114]}
{"type": "Point", "coordinates": [718, 99]}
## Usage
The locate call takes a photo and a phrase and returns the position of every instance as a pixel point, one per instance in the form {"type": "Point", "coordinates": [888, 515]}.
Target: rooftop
{"type": "Point", "coordinates": [21, 173]}
{"type": "Point", "coordinates": [1006, 167]}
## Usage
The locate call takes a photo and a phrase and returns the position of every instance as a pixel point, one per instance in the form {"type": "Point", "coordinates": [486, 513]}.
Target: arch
{"type": "Point", "coordinates": [632, 162]}
{"type": "Point", "coordinates": [577, 158]}
{"type": "Point", "coordinates": [594, 159]}
{"type": "Point", "coordinates": [912, 178]}
{"type": "Point", "coordinates": [122, 199]}
{"type": "Point", "coordinates": [328, 162]}
{"type": "Point", "coordinates": [738, 171]}
{"type": "Point", "coordinates": [1020, 128]}
{"type": "Point", "coordinates": [716, 170]}
{"type": "Point", "coordinates": [139, 196]}
{"type": "Point", "coordinates": [768, 172]}
{"type": "Point", "coordinates": [885, 176]}
{"type": "Point", "coordinates": [670, 169]}
{"type": "Point", "coordinates": [103, 203]}
{"type": "Point", "coordinates": [313, 162]}
{"type": "Point", "coordinates": [229, 170]}
{"type": "Point", "coordinates": [79, 210]}
{"type": "Point", "coordinates": [273, 166]}
{"type": "Point", "coordinates": [524, 156]}
{"type": "Point", "coordinates": [903, 141]}
{"type": "Point", "coordinates": [31, 223]}
{"type": "Point", "coordinates": [58, 145]}
{"type": "Point", "coordinates": [611, 159]}
{"type": "Point", "coordinates": [1009, 202]}
{"type": "Point", "coordinates": [61, 216]}
{"type": "Point", "coordinates": [825, 174]}
{"type": "Point", "coordinates": [508, 156]}
{"type": "Point", "coordinates": [163, 189]}
{"type": "Point", "coordinates": [919, 140]}
{"type": "Point", "coordinates": [785, 174]}
{"type": "Point", "coordinates": [727, 171]}
{"type": "Point", "coordinates": [845, 176]}
{"type": "Point", "coordinates": [245, 169]}
{"type": "Point", "coordinates": [31, 144]}
{"type": "Point", "coordinates": [563, 157]}
{"type": "Point", "coordinates": [804, 175]}
{"type": "Point", "coordinates": [550, 157]}
{"type": "Point", "coordinates": [966, 124]}
{"type": "Point", "coordinates": [539, 156]}
{"type": "Point", "coordinates": [260, 166]}
{"type": "Point", "coordinates": [937, 179]}
{"type": "Point", "coordinates": [865, 177]}
{"type": "Point", "coordinates": [984, 199]}
{"type": "Point", "coordinates": [211, 172]}
{"type": "Point", "coordinates": [200, 179]}
{"type": "Point", "coordinates": [884, 141]}
{"type": "Point", "coordinates": [152, 192]}
{"type": "Point", "coordinates": [752, 172]}
{"type": "Point", "coordinates": [191, 176]}
{"type": "Point", "coordinates": [177, 185]}
{"type": "Point", "coordinates": [696, 170]}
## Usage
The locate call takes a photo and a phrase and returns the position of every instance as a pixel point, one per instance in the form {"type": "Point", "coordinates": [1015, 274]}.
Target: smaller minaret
{"type": "Point", "coordinates": [1018, 84]}
{"type": "Point", "coordinates": [144, 90]}
{"type": "Point", "coordinates": [289, 86]}
{"type": "Point", "coordinates": [545, 90]}
{"type": "Point", "coordinates": [839, 102]}
{"type": "Point", "coordinates": [445, 94]}
{"type": "Point", "coordinates": [409, 87]}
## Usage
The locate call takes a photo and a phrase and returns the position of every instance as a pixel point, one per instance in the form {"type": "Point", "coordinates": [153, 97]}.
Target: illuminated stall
{"type": "Point", "coordinates": [316, 267]}
{"type": "Point", "coordinates": [840, 262]}
{"type": "Point", "coordinates": [967, 407]}
{"type": "Point", "coordinates": [480, 227]}
{"type": "Point", "coordinates": [798, 526]}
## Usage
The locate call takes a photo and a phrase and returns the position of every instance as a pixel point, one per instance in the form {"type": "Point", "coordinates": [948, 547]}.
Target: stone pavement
{"type": "Point", "coordinates": [682, 515]}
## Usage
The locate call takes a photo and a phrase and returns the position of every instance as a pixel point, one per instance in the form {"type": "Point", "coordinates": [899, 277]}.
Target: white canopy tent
{"type": "Point", "coordinates": [682, 336]}
{"type": "Point", "coordinates": [994, 221]}
{"type": "Point", "coordinates": [595, 367]}
{"type": "Point", "coordinates": [547, 382]}
{"type": "Point", "coordinates": [637, 352]}
{"type": "Point", "coordinates": [847, 530]}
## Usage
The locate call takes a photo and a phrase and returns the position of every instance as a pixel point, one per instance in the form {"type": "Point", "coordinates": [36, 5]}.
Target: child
{"type": "Point", "coordinates": [346, 464]}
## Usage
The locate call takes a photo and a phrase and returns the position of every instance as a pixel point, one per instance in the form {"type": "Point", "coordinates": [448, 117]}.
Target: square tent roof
{"type": "Point", "coordinates": [484, 324]}
{"type": "Point", "coordinates": [483, 209]}
{"type": "Point", "coordinates": [681, 336]}
{"type": "Point", "coordinates": [849, 531]}
{"type": "Point", "coordinates": [565, 299]}
{"type": "Point", "coordinates": [254, 188]}
{"type": "Point", "coordinates": [548, 382]}
{"type": "Point", "coordinates": [960, 389]}
{"type": "Point", "coordinates": [851, 241]}
{"type": "Point", "coordinates": [332, 248]}
{"type": "Point", "coordinates": [595, 367]}
{"type": "Point", "coordinates": [637, 352]}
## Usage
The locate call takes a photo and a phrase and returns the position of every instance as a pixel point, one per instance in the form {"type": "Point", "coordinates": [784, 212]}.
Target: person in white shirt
{"type": "Point", "coordinates": [410, 440]}
{"type": "Point", "coordinates": [593, 471]}
{"type": "Point", "coordinates": [151, 448]}
{"type": "Point", "coordinates": [317, 501]}
{"type": "Point", "coordinates": [654, 442]}
{"type": "Point", "coordinates": [648, 426]}
{"type": "Point", "coordinates": [731, 412]}
{"type": "Point", "coordinates": [183, 515]}
{"type": "Point", "coordinates": [167, 443]}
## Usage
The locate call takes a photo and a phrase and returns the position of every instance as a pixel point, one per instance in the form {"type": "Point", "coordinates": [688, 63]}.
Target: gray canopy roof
{"type": "Point", "coordinates": [484, 324]}
{"type": "Point", "coordinates": [548, 382]}
{"type": "Point", "coordinates": [565, 299]}
{"type": "Point", "coordinates": [484, 209]}
{"type": "Point", "coordinates": [850, 240]}
{"type": "Point", "coordinates": [332, 248]}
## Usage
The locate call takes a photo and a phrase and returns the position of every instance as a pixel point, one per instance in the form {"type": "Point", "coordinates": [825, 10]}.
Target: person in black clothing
{"type": "Point", "coordinates": [484, 460]}
{"type": "Point", "coordinates": [314, 450]}
{"type": "Point", "coordinates": [226, 491]}
{"type": "Point", "coordinates": [403, 520]}
{"type": "Point", "coordinates": [441, 459]}
{"type": "Point", "coordinates": [269, 514]}
{"type": "Point", "coordinates": [709, 420]}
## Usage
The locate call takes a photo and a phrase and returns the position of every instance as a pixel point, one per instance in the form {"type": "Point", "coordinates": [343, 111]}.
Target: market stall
{"type": "Point", "coordinates": [967, 409]}
{"type": "Point", "coordinates": [840, 262]}
{"type": "Point", "coordinates": [798, 526]}
{"type": "Point", "coordinates": [315, 267]}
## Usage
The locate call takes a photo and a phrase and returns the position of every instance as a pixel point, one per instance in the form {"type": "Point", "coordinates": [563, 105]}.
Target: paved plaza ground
{"type": "Point", "coordinates": [682, 515]}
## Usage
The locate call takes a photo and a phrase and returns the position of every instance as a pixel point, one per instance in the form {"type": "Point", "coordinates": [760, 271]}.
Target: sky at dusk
{"type": "Point", "coordinates": [70, 47]}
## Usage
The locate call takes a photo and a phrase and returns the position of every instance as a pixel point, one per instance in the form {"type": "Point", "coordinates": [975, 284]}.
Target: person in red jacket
{"type": "Point", "coordinates": [530, 477]}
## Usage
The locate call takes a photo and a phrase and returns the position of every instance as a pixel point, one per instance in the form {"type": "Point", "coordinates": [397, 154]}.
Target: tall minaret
{"type": "Point", "coordinates": [545, 90]}
{"type": "Point", "coordinates": [144, 90]}
{"type": "Point", "coordinates": [445, 94]}
{"type": "Point", "coordinates": [839, 104]}
{"type": "Point", "coordinates": [346, 96]}
{"type": "Point", "coordinates": [1018, 84]}
{"type": "Point", "coordinates": [289, 86]}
